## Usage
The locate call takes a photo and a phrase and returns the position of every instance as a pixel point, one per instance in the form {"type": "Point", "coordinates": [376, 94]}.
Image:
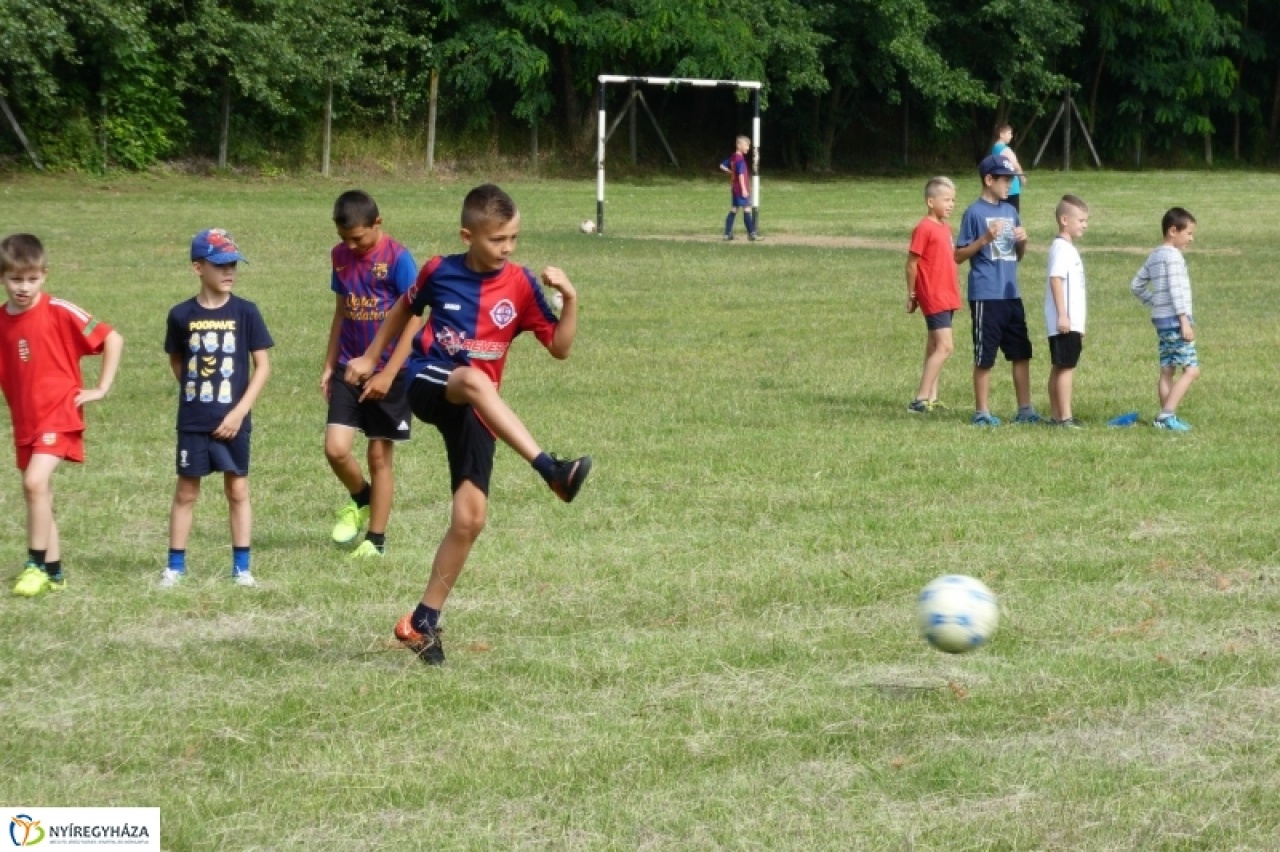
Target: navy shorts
{"type": "Point", "coordinates": [386, 419]}
{"type": "Point", "coordinates": [200, 454]}
{"type": "Point", "coordinates": [940, 320]}
{"type": "Point", "coordinates": [999, 324]}
{"type": "Point", "coordinates": [739, 201]}
{"type": "Point", "coordinates": [468, 442]}
{"type": "Point", "coordinates": [1065, 349]}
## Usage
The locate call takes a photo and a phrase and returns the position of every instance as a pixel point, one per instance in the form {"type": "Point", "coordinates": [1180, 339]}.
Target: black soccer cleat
{"type": "Point", "coordinates": [426, 645]}
{"type": "Point", "coordinates": [568, 476]}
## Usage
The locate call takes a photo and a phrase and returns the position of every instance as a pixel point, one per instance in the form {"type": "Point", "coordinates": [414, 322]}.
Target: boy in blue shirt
{"type": "Point", "coordinates": [993, 240]}
{"type": "Point", "coordinates": [217, 345]}
{"type": "Point", "coordinates": [740, 189]}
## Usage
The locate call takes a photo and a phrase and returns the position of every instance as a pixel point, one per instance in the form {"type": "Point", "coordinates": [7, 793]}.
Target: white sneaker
{"type": "Point", "coordinates": [171, 578]}
{"type": "Point", "coordinates": [243, 578]}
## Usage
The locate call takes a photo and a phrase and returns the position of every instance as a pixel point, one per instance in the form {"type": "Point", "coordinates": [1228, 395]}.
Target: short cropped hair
{"type": "Point", "coordinates": [1001, 128]}
{"type": "Point", "coordinates": [487, 203]}
{"type": "Point", "coordinates": [1068, 201]}
{"type": "Point", "coordinates": [1177, 218]}
{"type": "Point", "coordinates": [355, 208]}
{"type": "Point", "coordinates": [936, 185]}
{"type": "Point", "coordinates": [746, 139]}
{"type": "Point", "coordinates": [21, 252]}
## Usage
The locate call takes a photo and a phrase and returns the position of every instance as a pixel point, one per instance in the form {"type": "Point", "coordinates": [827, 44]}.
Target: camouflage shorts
{"type": "Point", "coordinates": [1174, 351]}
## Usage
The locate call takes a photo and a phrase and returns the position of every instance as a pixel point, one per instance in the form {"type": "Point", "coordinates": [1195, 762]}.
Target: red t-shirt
{"type": "Point", "coordinates": [937, 282]}
{"type": "Point", "coordinates": [40, 352]}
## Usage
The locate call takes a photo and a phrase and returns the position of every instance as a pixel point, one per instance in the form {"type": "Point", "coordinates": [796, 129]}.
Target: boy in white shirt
{"type": "Point", "coordinates": [1064, 307]}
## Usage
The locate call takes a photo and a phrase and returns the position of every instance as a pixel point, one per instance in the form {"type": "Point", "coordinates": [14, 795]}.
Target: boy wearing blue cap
{"type": "Point", "coordinates": [993, 240]}
{"type": "Point", "coordinates": [212, 339]}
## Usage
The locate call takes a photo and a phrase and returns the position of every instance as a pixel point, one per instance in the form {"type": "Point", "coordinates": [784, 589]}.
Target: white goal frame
{"type": "Point", "coordinates": [602, 137]}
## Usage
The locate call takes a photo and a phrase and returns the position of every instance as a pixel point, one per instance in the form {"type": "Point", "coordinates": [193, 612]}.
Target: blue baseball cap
{"type": "Point", "coordinates": [216, 246]}
{"type": "Point", "coordinates": [997, 165]}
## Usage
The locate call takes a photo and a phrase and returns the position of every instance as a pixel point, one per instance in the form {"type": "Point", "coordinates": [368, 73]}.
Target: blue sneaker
{"type": "Point", "coordinates": [983, 419]}
{"type": "Point", "coordinates": [1025, 419]}
{"type": "Point", "coordinates": [1172, 423]}
{"type": "Point", "coordinates": [1121, 421]}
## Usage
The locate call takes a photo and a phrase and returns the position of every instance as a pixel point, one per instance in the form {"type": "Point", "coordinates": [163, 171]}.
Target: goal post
{"type": "Point", "coordinates": [602, 134]}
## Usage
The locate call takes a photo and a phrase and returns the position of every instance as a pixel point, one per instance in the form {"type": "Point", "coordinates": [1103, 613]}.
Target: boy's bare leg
{"type": "Point", "coordinates": [1165, 385]}
{"type": "Point", "coordinates": [936, 352]}
{"type": "Point", "coordinates": [37, 490]}
{"type": "Point", "coordinates": [382, 487]}
{"type": "Point", "coordinates": [182, 512]}
{"type": "Point", "coordinates": [981, 388]}
{"type": "Point", "coordinates": [469, 386]}
{"type": "Point", "coordinates": [1061, 382]}
{"type": "Point", "coordinates": [338, 442]}
{"type": "Point", "coordinates": [465, 524]}
{"type": "Point", "coordinates": [1022, 382]}
{"type": "Point", "coordinates": [239, 512]}
{"type": "Point", "coordinates": [1180, 388]}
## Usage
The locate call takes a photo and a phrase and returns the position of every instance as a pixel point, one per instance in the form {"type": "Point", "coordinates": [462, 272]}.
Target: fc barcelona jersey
{"type": "Point", "coordinates": [474, 317]}
{"type": "Point", "coordinates": [369, 285]}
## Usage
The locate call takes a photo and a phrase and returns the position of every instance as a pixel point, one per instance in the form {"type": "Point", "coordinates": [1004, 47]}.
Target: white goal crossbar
{"type": "Point", "coordinates": [602, 136]}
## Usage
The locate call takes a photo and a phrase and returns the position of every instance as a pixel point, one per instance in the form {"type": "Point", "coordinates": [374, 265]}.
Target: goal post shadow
{"type": "Point", "coordinates": [603, 134]}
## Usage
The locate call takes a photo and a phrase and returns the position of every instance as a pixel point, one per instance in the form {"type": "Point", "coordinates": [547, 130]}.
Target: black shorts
{"type": "Point", "coordinates": [469, 444]}
{"type": "Point", "coordinates": [938, 321]}
{"type": "Point", "coordinates": [1065, 349]}
{"type": "Point", "coordinates": [999, 324]}
{"type": "Point", "coordinates": [200, 454]}
{"type": "Point", "coordinates": [1015, 201]}
{"type": "Point", "coordinates": [386, 419]}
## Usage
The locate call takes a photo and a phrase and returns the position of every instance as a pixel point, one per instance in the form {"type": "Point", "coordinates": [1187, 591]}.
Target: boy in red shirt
{"type": "Point", "coordinates": [42, 340]}
{"type": "Point", "coordinates": [934, 287]}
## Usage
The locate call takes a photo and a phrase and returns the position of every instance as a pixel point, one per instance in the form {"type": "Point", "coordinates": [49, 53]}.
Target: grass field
{"type": "Point", "coordinates": [714, 646]}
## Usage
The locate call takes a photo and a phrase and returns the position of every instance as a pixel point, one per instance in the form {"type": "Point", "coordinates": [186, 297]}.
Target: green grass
{"type": "Point", "coordinates": [714, 646]}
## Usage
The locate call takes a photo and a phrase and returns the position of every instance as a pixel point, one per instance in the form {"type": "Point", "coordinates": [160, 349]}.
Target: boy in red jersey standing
{"type": "Point", "coordinates": [740, 189]}
{"type": "Point", "coordinates": [42, 340]}
{"type": "Point", "coordinates": [933, 286]}
{"type": "Point", "coordinates": [370, 272]}
{"type": "Point", "coordinates": [478, 303]}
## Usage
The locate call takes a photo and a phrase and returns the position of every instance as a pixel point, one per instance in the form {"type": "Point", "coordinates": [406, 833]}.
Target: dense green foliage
{"type": "Point", "coordinates": [855, 83]}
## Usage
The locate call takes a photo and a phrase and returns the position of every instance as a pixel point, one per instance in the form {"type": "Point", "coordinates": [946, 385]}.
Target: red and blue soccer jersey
{"type": "Point", "coordinates": [474, 317]}
{"type": "Point", "coordinates": [739, 173]}
{"type": "Point", "coordinates": [369, 285]}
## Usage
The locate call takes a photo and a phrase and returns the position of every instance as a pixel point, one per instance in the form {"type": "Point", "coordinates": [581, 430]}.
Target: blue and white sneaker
{"type": "Point", "coordinates": [1026, 419]}
{"type": "Point", "coordinates": [1172, 423]}
{"type": "Point", "coordinates": [982, 418]}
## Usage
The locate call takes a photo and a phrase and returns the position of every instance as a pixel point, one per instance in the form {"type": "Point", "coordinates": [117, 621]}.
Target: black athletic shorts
{"type": "Point", "coordinates": [200, 454]}
{"type": "Point", "coordinates": [1065, 349]}
{"type": "Point", "coordinates": [999, 324]}
{"type": "Point", "coordinates": [386, 419]}
{"type": "Point", "coordinates": [468, 442]}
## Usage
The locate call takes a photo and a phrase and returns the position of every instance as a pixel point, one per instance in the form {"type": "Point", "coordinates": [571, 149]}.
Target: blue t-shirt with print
{"type": "Point", "coordinates": [993, 269]}
{"type": "Point", "coordinates": [217, 345]}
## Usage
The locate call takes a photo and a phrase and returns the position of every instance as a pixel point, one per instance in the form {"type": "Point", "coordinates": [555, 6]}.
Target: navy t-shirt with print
{"type": "Point", "coordinates": [216, 345]}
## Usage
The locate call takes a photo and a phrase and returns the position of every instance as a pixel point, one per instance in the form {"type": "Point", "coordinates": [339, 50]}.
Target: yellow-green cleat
{"type": "Point", "coordinates": [351, 519]}
{"type": "Point", "coordinates": [366, 550]}
{"type": "Point", "coordinates": [34, 581]}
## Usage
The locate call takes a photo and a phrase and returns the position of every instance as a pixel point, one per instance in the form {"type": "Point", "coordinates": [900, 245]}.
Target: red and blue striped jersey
{"type": "Point", "coordinates": [474, 317]}
{"type": "Point", "coordinates": [369, 285]}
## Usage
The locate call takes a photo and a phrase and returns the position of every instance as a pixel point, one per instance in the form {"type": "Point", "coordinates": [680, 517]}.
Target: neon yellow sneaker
{"type": "Point", "coordinates": [351, 519]}
{"type": "Point", "coordinates": [366, 550]}
{"type": "Point", "coordinates": [33, 581]}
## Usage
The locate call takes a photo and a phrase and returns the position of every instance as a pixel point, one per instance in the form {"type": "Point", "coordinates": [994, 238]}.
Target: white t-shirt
{"type": "Point", "coordinates": [1065, 263]}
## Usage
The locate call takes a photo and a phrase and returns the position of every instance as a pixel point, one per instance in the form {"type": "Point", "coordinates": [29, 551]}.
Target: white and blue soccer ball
{"type": "Point", "coordinates": [957, 613]}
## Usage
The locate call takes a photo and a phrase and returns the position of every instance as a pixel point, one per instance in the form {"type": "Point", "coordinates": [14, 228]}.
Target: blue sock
{"type": "Point", "coordinates": [728, 224]}
{"type": "Point", "coordinates": [239, 560]}
{"type": "Point", "coordinates": [424, 618]}
{"type": "Point", "coordinates": [544, 465]}
{"type": "Point", "coordinates": [750, 222]}
{"type": "Point", "coordinates": [177, 560]}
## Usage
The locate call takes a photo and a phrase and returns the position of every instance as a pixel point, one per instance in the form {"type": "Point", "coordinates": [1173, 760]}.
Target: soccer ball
{"type": "Point", "coordinates": [956, 613]}
{"type": "Point", "coordinates": [587, 226]}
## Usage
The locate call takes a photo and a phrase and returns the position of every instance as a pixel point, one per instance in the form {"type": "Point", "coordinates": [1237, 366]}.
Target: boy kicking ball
{"type": "Point", "coordinates": [478, 303]}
